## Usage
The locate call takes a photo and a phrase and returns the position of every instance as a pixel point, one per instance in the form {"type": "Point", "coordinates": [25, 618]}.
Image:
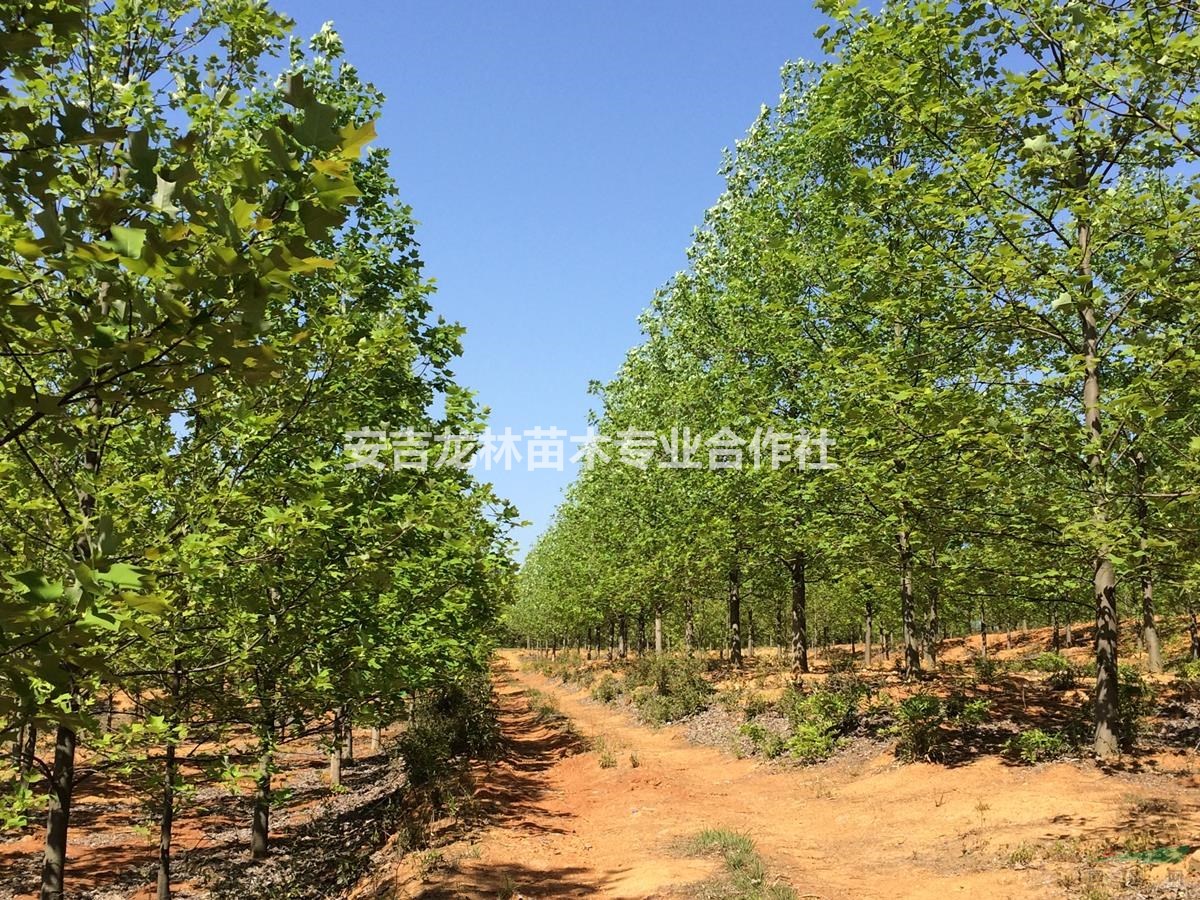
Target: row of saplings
{"type": "Point", "coordinates": [810, 722]}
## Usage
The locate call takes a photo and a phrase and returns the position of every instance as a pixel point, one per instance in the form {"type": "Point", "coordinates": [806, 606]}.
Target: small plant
{"type": "Point", "coordinates": [918, 728]}
{"type": "Point", "coordinates": [634, 761]}
{"type": "Point", "coordinates": [1135, 699]}
{"type": "Point", "coordinates": [1035, 745]}
{"type": "Point", "coordinates": [986, 669]}
{"type": "Point", "coordinates": [1061, 672]}
{"type": "Point", "coordinates": [608, 689]}
{"type": "Point", "coordinates": [764, 740]}
{"type": "Point", "coordinates": [747, 875]}
{"type": "Point", "coordinates": [608, 759]}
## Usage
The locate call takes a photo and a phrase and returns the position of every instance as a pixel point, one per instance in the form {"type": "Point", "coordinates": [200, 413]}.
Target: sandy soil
{"type": "Point", "coordinates": [858, 826]}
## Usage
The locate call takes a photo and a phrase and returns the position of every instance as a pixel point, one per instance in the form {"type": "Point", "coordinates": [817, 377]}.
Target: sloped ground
{"type": "Point", "coordinates": [599, 808]}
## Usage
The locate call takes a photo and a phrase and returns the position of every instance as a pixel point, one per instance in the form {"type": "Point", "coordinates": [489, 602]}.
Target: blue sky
{"type": "Point", "coordinates": [558, 156]}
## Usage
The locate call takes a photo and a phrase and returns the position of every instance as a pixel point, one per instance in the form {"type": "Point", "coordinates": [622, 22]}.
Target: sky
{"type": "Point", "coordinates": [558, 157]}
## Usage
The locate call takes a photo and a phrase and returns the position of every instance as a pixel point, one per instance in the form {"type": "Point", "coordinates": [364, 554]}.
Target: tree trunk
{"type": "Point", "coordinates": [260, 826]}
{"type": "Point", "coordinates": [1104, 579]}
{"type": "Point", "coordinates": [799, 616]}
{"type": "Point", "coordinates": [929, 636]}
{"type": "Point", "coordinates": [1149, 629]}
{"type": "Point", "coordinates": [750, 631]}
{"type": "Point", "coordinates": [983, 631]}
{"type": "Point", "coordinates": [336, 745]}
{"type": "Point", "coordinates": [735, 615]}
{"type": "Point", "coordinates": [62, 783]}
{"type": "Point", "coordinates": [376, 739]}
{"type": "Point", "coordinates": [623, 637]}
{"type": "Point", "coordinates": [1055, 637]}
{"type": "Point", "coordinates": [1193, 633]}
{"type": "Point", "coordinates": [612, 638]}
{"type": "Point", "coordinates": [689, 626]}
{"type": "Point", "coordinates": [166, 823]}
{"type": "Point", "coordinates": [868, 636]}
{"type": "Point", "coordinates": [912, 658]}
{"type": "Point", "coordinates": [28, 751]}
{"type": "Point", "coordinates": [658, 631]}
{"type": "Point", "coordinates": [348, 734]}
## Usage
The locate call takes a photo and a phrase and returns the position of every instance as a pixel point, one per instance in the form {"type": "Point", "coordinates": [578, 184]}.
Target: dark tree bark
{"type": "Point", "coordinates": [912, 657]}
{"type": "Point", "coordinates": [735, 615]}
{"type": "Point", "coordinates": [62, 783]}
{"type": "Point", "coordinates": [797, 566]}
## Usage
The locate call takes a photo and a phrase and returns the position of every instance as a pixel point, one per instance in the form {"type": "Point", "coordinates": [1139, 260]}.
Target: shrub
{"type": "Point", "coordinates": [1189, 670]}
{"type": "Point", "coordinates": [608, 689]}
{"type": "Point", "coordinates": [812, 742]}
{"type": "Point", "coordinates": [1061, 672]}
{"type": "Point", "coordinates": [448, 727]}
{"type": "Point", "coordinates": [1135, 699]}
{"type": "Point", "coordinates": [966, 713]}
{"type": "Point", "coordinates": [820, 719]}
{"type": "Point", "coordinates": [669, 689]}
{"type": "Point", "coordinates": [918, 728]}
{"type": "Point", "coordinates": [986, 669]}
{"type": "Point", "coordinates": [765, 741]}
{"type": "Point", "coordinates": [1035, 745]}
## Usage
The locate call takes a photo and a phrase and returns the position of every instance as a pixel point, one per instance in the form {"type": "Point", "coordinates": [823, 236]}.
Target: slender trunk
{"type": "Point", "coordinates": [929, 636]}
{"type": "Point", "coordinates": [799, 616]}
{"type": "Point", "coordinates": [750, 631]}
{"type": "Point", "coordinates": [1193, 632]}
{"type": "Point", "coordinates": [868, 636]}
{"type": "Point", "coordinates": [62, 775]}
{"type": "Point", "coordinates": [612, 638]}
{"type": "Point", "coordinates": [658, 631]}
{"type": "Point", "coordinates": [1149, 629]}
{"type": "Point", "coordinates": [1104, 579]}
{"type": "Point", "coordinates": [623, 637]}
{"type": "Point", "coordinates": [642, 643]}
{"type": "Point", "coordinates": [260, 825]}
{"type": "Point", "coordinates": [1055, 637]}
{"type": "Point", "coordinates": [166, 823]}
{"type": "Point", "coordinates": [689, 625]}
{"type": "Point", "coordinates": [28, 751]}
{"type": "Point", "coordinates": [983, 631]}
{"type": "Point", "coordinates": [376, 739]}
{"type": "Point", "coordinates": [348, 734]}
{"type": "Point", "coordinates": [335, 752]}
{"type": "Point", "coordinates": [735, 615]}
{"type": "Point", "coordinates": [62, 783]}
{"type": "Point", "coordinates": [912, 658]}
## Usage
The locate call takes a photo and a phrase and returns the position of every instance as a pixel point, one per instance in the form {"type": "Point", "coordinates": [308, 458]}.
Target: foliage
{"type": "Point", "coordinates": [918, 729]}
{"type": "Point", "coordinates": [1033, 745]}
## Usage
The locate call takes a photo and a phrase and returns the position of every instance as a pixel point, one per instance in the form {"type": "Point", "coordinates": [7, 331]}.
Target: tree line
{"type": "Point", "coordinates": [207, 281]}
{"type": "Point", "coordinates": [966, 245]}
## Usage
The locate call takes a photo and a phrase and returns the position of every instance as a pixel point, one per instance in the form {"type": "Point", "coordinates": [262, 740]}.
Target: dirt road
{"type": "Point", "coordinates": [563, 825]}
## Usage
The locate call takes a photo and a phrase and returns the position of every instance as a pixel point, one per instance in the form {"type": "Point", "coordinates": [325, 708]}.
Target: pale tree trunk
{"type": "Point", "coordinates": [348, 733]}
{"type": "Point", "coordinates": [912, 658]}
{"type": "Point", "coordinates": [1055, 636]}
{"type": "Point", "coordinates": [983, 631]}
{"type": "Point", "coordinates": [1149, 629]}
{"type": "Point", "coordinates": [658, 631]}
{"type": "Point", "coordinates": [799, 616]}
{"type": "Point", "coordinates": [623, 637]}
{"type": "Point", "coordinates": [376, 739]}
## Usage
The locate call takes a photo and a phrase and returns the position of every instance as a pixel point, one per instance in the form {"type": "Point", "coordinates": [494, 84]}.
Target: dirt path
{"type": "Point", "coordinates": [563, 826]}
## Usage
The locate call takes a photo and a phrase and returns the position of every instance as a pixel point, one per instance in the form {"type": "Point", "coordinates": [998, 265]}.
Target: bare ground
{"type": "Point", "coordinates": [562, 825]}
